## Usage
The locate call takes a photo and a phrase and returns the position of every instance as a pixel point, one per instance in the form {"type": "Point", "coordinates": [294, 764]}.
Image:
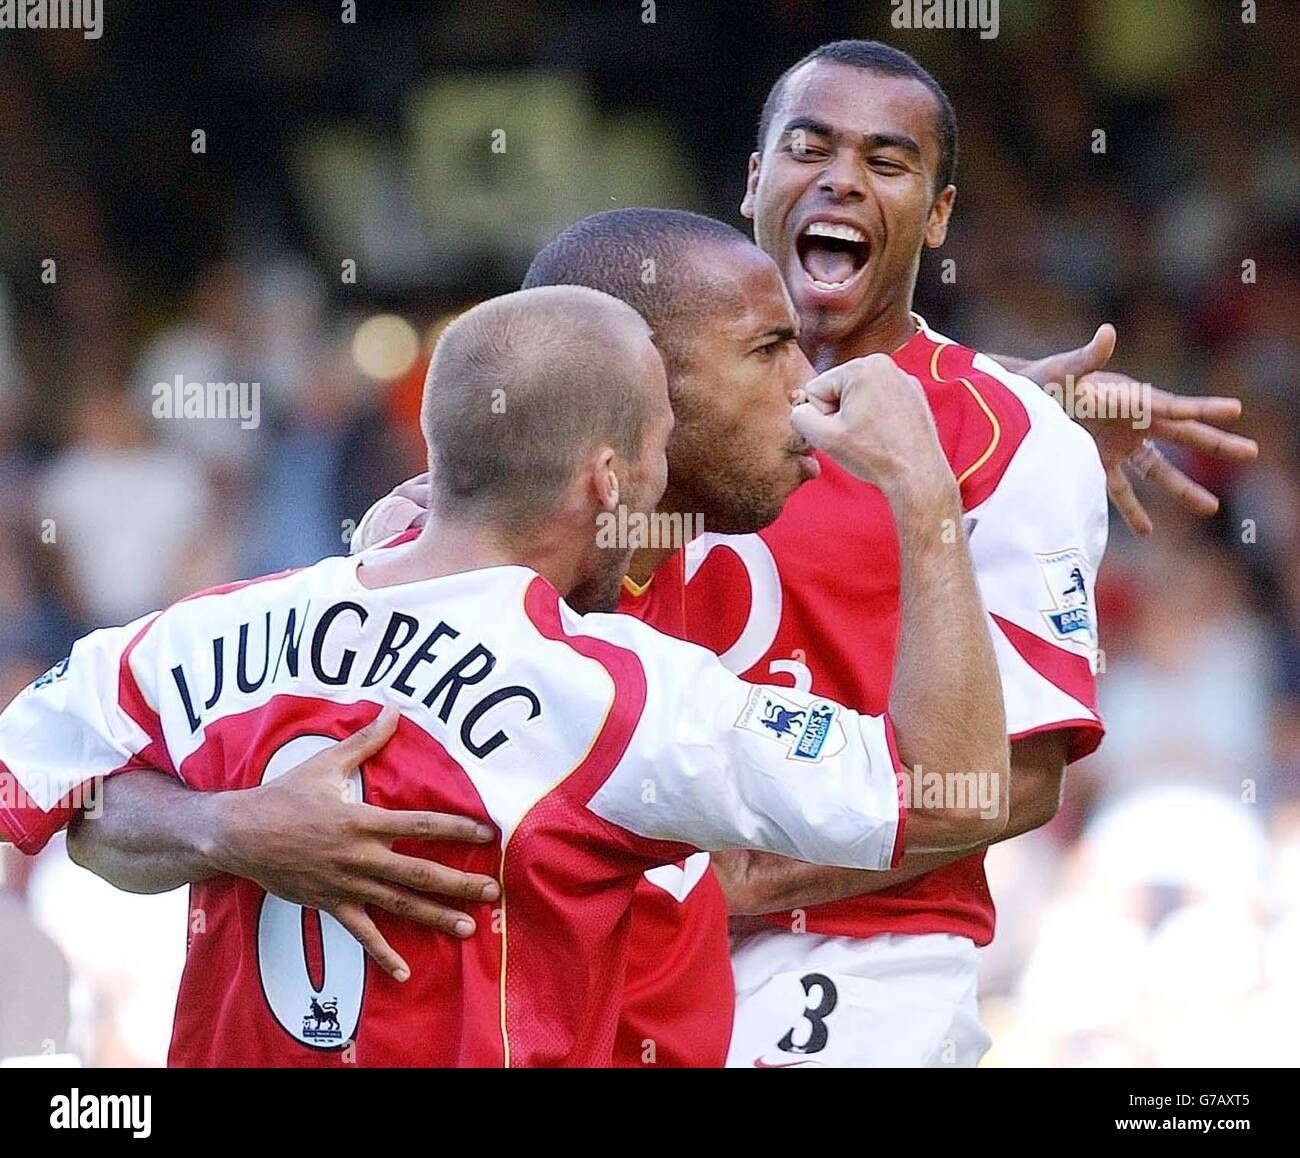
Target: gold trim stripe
{"type": "Point", "coordinates": [635, 589]}
{"type": "Point", "coordinates": [995, 425]}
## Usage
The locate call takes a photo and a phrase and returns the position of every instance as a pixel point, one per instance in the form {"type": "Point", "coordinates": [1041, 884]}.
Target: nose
{"type": "Point", "coordinates": [801, 373]}
{"type": "Point", "coordinates": [842, 178]}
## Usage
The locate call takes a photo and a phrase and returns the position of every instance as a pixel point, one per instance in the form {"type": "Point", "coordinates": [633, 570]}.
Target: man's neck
{"type": "Point", "coordinates": [645, 562]}
{"type": "Point", "coordinates": [881, 335]}
{"type": "Point", "coordinates": [452, 547]}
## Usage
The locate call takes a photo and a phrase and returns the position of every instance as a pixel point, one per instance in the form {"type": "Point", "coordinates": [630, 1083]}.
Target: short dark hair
{"type": "Point", "coordinates": [640, 256]}
{"type": "Point", "coordinates": [873, 56]}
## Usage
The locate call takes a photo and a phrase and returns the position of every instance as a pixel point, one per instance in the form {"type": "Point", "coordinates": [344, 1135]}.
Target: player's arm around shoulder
{"type": "Point", "coordinates": [302, 837]}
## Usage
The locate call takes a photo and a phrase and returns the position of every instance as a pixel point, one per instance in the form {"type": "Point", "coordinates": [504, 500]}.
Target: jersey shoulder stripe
{"type": "Point", "coordinates": [1068, 670]}
{"type": "Point", "coordinates": [981, 422]}
{"type": "Point", "coordinates": [134, 703]}
{"type": "Point", "coordinates": [542, 606]}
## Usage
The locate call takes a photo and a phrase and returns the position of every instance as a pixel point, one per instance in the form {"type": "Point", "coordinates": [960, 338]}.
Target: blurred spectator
{"type": "Point", "coordinates": [213, 343]}
{"type": "Point", "coordinates": [121, 511]}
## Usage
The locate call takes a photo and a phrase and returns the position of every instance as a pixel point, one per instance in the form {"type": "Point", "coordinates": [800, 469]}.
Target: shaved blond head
{"type": "Point", "coordinates": [522, 387]}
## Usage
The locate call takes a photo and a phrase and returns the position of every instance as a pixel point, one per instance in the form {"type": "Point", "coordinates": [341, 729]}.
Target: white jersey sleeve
{"type": "Point", "coordinates": [1037, 543]}
{"type": "Point", "coordinates": [719, 763]}
{"type": "Point", "coordinates": [67, 729]}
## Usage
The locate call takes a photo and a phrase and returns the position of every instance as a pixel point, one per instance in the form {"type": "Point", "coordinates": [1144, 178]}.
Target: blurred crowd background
{"type": "Point", "coordinates": [358, 184]}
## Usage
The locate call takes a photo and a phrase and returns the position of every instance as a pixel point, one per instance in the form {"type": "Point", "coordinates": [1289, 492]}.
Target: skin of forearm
{"type": "Point", "coordinates": [946, 695]}
{"type": "Point", "coordinates": [1015, 365]}
{"type": "Point", "coordinates": [757, 882]}
{"type": "Point", "coordinates": [145, 839]}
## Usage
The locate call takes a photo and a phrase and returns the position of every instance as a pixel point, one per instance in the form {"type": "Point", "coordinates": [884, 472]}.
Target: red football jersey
{"type": "Point", "coordinates": [680, 997]}
{"type": "Point", "coordinates": [596, 747]}
{"type": "Point", "coordinates": [813, 600]}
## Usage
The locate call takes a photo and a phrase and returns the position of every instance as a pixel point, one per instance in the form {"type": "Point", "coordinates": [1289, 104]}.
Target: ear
{"type": "Point", "coordinates": [936, 228]}
{"type": "Point", "coordinates": [751, 186]}
{"type": "Point", "coordinates": [604, 479]}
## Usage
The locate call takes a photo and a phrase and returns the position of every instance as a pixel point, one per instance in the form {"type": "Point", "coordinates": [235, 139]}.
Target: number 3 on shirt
{"type": "Point", "coordinates": [814, 1015]}
{"type": "Point", "coordinates": [324, 1018]}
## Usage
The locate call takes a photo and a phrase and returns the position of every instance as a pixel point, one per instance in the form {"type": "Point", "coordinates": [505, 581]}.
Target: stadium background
{"type": "Point", "coordinates": [1157, 919]}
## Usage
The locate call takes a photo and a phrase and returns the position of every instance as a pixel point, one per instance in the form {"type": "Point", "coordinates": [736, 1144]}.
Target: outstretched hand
{"type": "Point", "coordinates": [1115, 401]}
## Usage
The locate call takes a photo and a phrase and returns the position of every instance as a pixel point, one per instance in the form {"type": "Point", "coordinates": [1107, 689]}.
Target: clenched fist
{"type": "Point", "coordinates": [873, 419]}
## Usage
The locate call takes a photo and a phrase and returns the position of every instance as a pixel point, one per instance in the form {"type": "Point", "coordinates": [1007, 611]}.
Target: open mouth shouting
{"type": "Point", "coordinates": [832, 255]}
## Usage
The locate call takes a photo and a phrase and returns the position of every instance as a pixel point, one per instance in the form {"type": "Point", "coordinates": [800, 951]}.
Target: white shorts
{"type": "Point", "coordinates": [803, 999]}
